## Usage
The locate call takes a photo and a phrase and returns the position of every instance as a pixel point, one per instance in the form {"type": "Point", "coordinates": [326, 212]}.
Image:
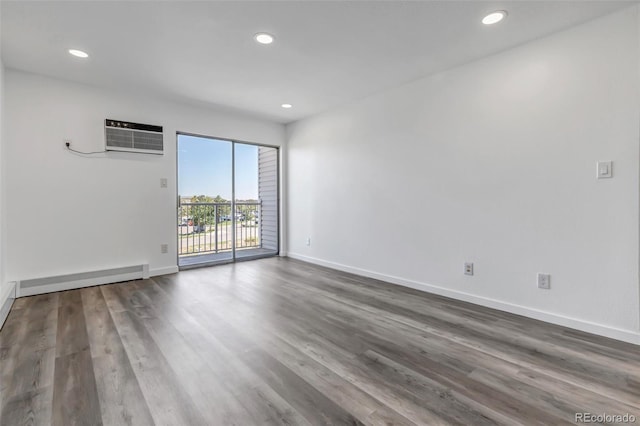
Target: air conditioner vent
{"type": "Point", "coordinates": [133, 137]}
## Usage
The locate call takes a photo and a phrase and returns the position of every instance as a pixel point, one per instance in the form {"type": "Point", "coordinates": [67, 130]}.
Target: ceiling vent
{"type": "Point", "coordinates": [133, 137]}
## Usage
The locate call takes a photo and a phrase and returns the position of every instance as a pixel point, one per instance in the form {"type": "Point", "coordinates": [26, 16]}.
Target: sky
{"type": "Point", "coordinates": [204, 168]}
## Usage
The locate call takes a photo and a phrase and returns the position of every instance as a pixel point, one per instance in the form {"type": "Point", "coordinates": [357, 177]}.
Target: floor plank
{"type": "Point", "coordinates": [119, 394]}
{"type": "Point", "coordinates": [75, 395]}
{"type": "Point", "coordinates": [27, 361]}
{"type": "Point", "coordinates": [166, 398]}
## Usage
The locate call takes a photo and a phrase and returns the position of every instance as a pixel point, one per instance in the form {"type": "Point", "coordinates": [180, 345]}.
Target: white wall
{"type": "Point", "coordinates": [2, 183]}
{"type": "Point", "coordinates": [68, 213]}
{"type": "Point", "coordinates": [268, 195]}
{"type": "Point", "coordinates": [5, 291]}
{"type": "Point", "coordinates": [493, 162]}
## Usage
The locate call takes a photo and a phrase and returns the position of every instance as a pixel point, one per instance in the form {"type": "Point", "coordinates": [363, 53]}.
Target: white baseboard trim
{"type": "Point", "coordinates": [163, 271]}
{"type": "Point", "coordinates": [88, 279]}
{"type": "Point", "coordinates": [34, 286]}
{"type": "Point", "coordinates": [628, 336]}
{"type": "Point", "coordinates": [6, 301]}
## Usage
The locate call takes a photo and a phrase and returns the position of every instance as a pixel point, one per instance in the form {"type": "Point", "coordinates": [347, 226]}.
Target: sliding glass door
{"type": "Point", "coordinates": [227, 201]}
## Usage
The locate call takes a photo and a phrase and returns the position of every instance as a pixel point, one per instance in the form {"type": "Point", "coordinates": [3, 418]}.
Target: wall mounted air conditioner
{"type": "Point", "coordinates": [133, 137]}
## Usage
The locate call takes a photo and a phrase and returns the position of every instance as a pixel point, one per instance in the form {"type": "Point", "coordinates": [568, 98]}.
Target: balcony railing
{"type": "Point", "coordinates": [208, 227]}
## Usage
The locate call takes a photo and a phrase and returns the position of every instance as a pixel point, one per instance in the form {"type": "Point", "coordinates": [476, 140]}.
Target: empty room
{"type": "Point", "coordinates": [319, 212]}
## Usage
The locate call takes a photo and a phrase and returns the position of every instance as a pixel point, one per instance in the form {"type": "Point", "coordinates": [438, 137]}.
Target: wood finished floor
{"type": "Point", "coordinates": [277, 341]}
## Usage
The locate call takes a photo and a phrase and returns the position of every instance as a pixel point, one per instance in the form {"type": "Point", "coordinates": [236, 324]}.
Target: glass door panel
{"type": "Point", "coordinates": [256, 200]}
{"type": "Point", "coordinates": [205, 194]}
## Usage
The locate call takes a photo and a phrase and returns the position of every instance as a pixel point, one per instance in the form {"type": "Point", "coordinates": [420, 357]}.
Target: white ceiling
{"type": "Point", "coordinates": [326, 53]}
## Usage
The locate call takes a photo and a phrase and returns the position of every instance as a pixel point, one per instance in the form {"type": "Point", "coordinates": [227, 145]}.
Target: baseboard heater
{"type": "Point", "coordinates": [34, 286]}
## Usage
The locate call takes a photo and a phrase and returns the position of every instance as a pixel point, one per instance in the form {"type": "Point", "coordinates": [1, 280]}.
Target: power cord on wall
{"type": "Point", "coordinates": [68, 145]}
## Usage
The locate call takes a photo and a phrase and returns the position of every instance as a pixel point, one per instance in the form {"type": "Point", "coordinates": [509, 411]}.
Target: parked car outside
{"type": "Point", "coordinates": [227, 217]}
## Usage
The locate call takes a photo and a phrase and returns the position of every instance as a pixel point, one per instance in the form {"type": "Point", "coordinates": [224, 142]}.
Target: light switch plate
{"type": "Point", "coordinates": [605, 169]}
{"type": "Point", "coordinates": [163, 183]}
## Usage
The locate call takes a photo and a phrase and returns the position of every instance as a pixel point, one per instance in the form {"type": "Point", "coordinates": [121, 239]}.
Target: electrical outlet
{"type": "Point", "coordinates": [468, 268]}
{"type": "Point", "coordinates": [164, 248]}
{"type": "Point", "coordinates": [544, 281]}
{"type": "Point", "coordinates": [308, 241]}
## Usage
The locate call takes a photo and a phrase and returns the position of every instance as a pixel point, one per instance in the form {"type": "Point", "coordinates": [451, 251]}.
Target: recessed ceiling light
{"type": "Point", "coordinates": [494, 17]}
{"type": "Point", "coordinates": [264, 38]}
{"type": "Point", "coordinates": [286, 105]}
{"type": "Point", "coordinates": [78, 53]}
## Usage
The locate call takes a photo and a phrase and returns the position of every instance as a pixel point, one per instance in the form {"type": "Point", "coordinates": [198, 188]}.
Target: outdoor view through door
{"type": "Point", "coordinates": [227, 200]}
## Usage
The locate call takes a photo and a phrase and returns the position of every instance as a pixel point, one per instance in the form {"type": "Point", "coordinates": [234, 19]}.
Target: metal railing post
{"type": "Point", "coordinates": [215, 212]}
